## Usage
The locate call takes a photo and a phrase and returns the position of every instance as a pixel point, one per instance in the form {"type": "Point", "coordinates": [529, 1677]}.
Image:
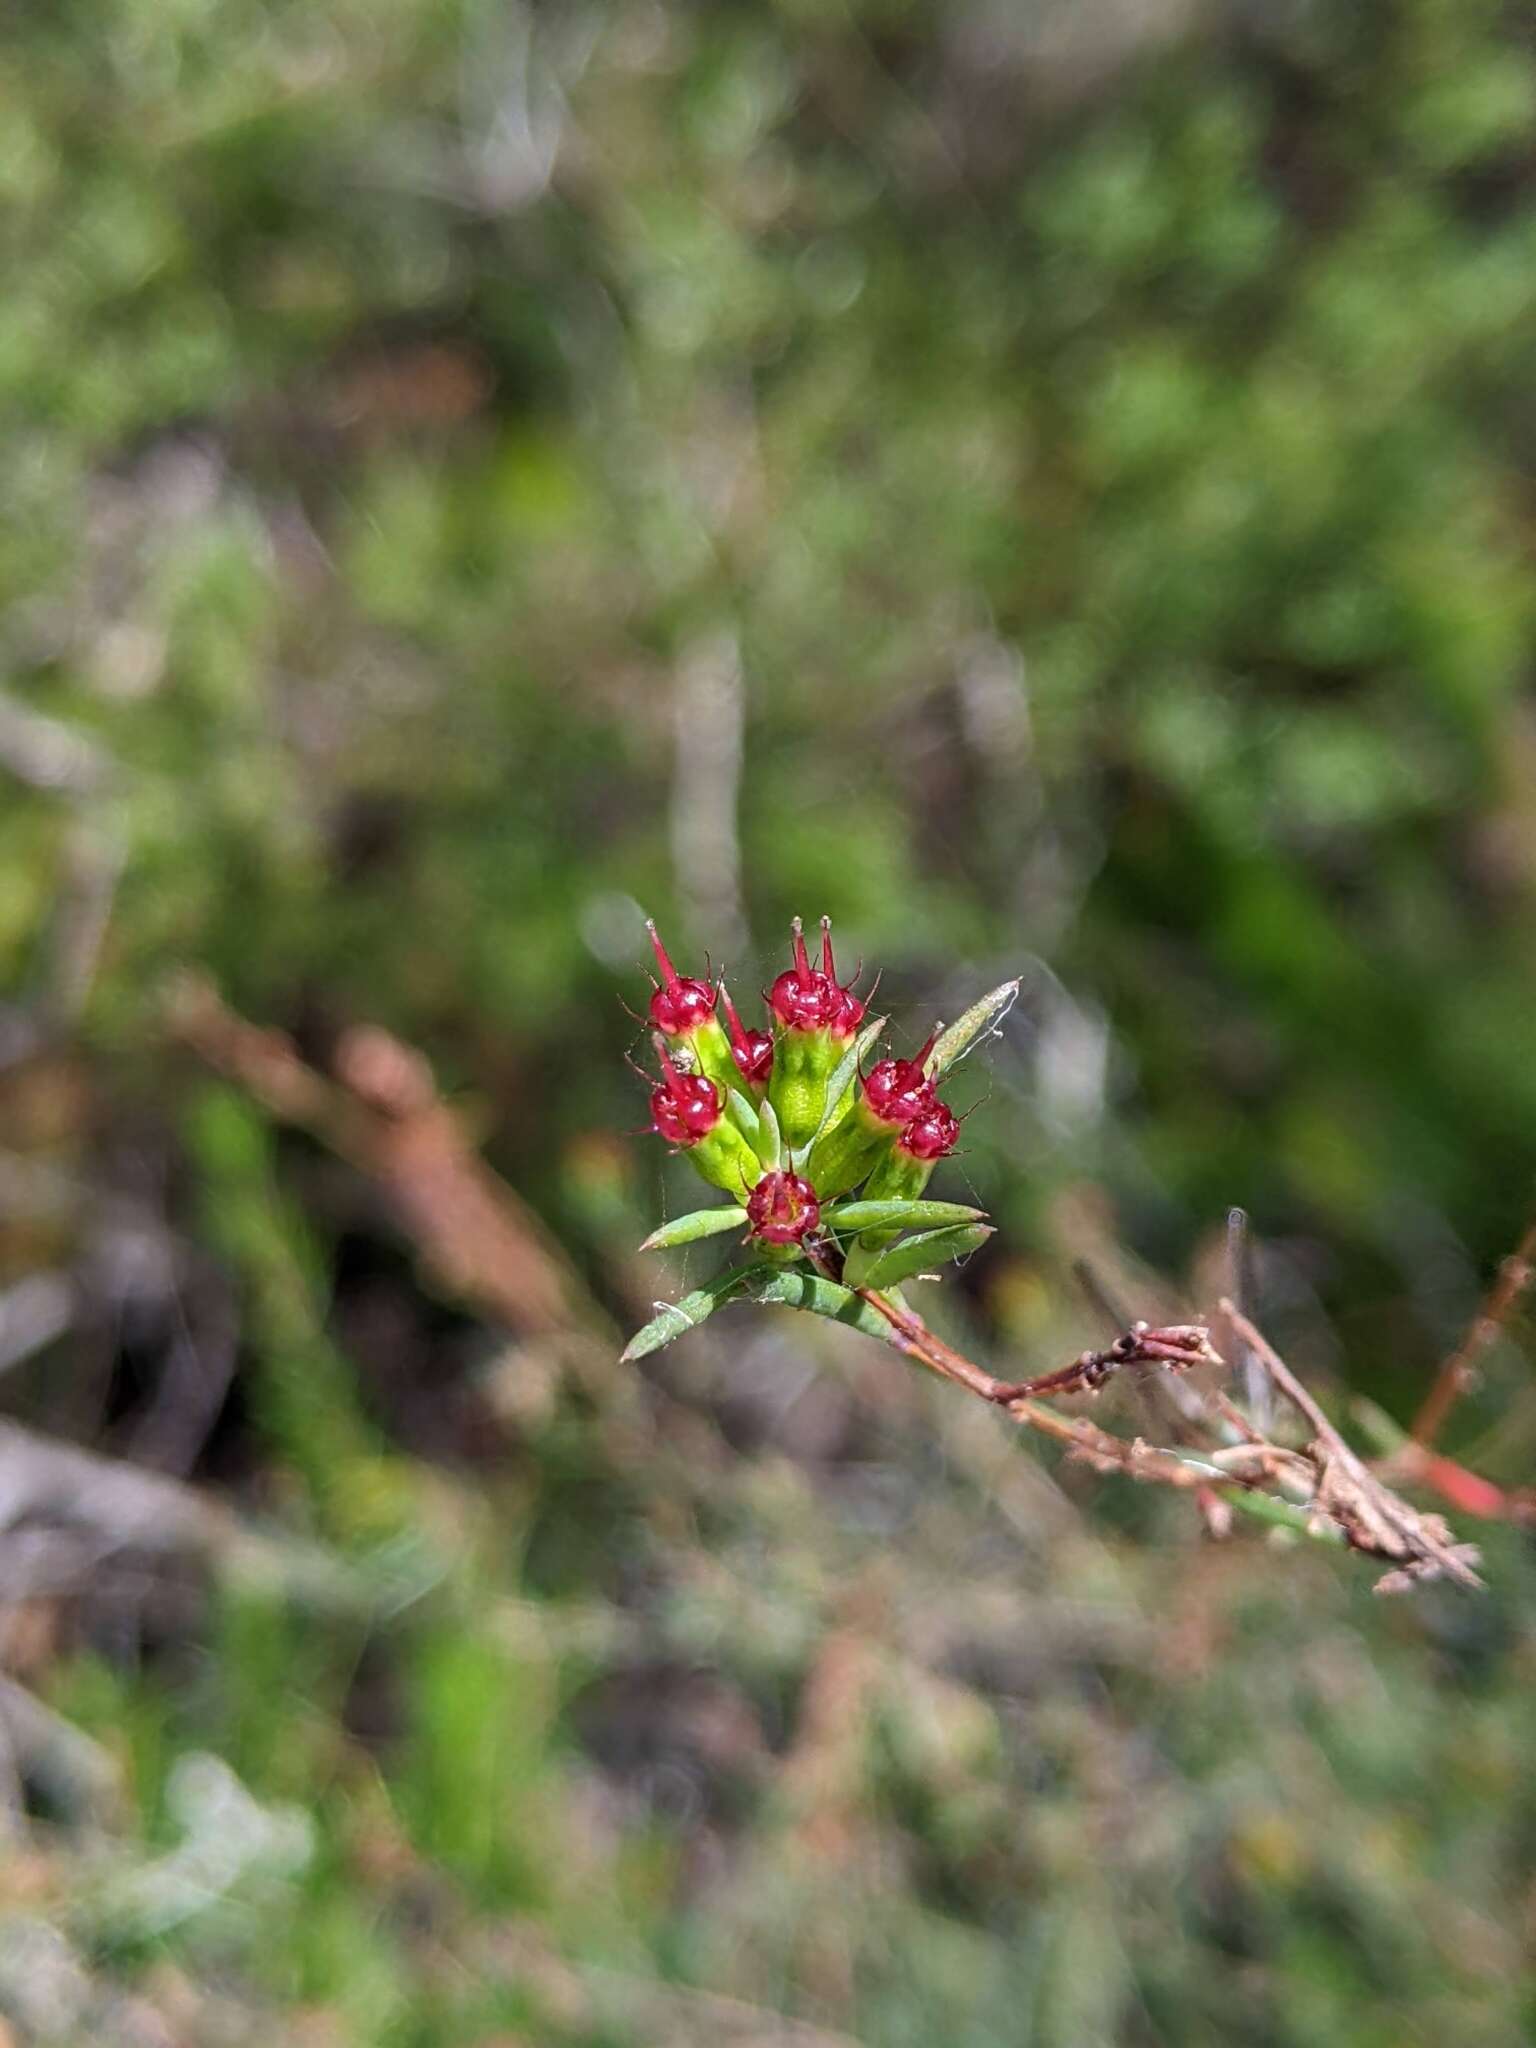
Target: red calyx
{"type": "Point", "coordinates": [807, 998]}
{"type": "Point", "coordinates": [686, 1107]}
{"type": "Point", "coordinates": [783, 1209]}
{"type": "Point", "coordinates": [681, 1004]}
{"type": "Point", "coordinates": [751, 1050]}
{"type": "Point", "coordinates": [802, 998]}
{"type": "Point", "coordinates": [898, 1091]}
{"type": "Point", "coordinates": [931, 1135]}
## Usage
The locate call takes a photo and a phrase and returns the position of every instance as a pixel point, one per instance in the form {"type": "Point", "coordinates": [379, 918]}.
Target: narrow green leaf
{"type": "Point", "coordinates": [673, 1320]}
{"type": "Point", "coordinates": [897, 1214]}
{"type": "Point", "coordinates": [769, 1142]}
{"type": "Point", "coordinates": [743, 1115]}
{"type": "Point", "coordinates": [922, 1253]}
{"type": "Point", "coordinates": [844, 1071]}
{"type": "Point", "coordinates": [690, 1228]}
{"type": "Point", "coordinates": [978, 1020]}
{"type": "Point", "coordinates": [818, 1297]}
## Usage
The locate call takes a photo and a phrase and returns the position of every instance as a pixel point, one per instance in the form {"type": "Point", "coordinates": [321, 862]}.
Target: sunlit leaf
{"type": "Point", "coordinates": [897, 1215]}
{"type": "Point", "coordinates": [922, 1253]}
{"type": "Point", "coordinates": [769, 1143]}
{"type": "Point", "coordinates": [797, 1288]}
{"type": "Point", "coordinates": [743, 1115]}
{"type": "Point", "coordinates": [675, 1319]}
{"type": "Point", "coordinates": [690, 1228]}
{"type": "Point", "coordinates": [980, 1019]}
{"type": "Point", "coordinates": [844, 1071]}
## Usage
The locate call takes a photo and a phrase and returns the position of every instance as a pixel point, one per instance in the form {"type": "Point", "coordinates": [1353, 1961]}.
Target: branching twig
{"type": "Point", "coordinates": [1342, 1500]}
{"type": "Point", "coordinates": [1023, 1399]}
{"type": "Point", "coordinates": [1372, 1517]}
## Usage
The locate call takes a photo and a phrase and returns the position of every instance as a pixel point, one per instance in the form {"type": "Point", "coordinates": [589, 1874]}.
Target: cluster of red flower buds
{"type": "Point", "coordinates": [725, 1088]}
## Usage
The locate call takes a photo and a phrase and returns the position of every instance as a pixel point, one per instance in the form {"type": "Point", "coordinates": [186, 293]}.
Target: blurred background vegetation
{"type": "Point", "coordinates": [1050, 484]}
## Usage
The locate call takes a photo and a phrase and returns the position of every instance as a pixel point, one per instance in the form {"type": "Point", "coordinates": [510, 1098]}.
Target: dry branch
{"type": "Point", "coordinates": [1340, 1497]}
{"type": "Point", "coordinates": [1373, 1518]}
{"type": "Point", "coordinates": [384, 1115]}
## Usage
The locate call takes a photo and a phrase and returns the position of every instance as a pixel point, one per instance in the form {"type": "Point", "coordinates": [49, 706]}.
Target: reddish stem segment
{"type": "Point", "coordinates": [1459, 1372]}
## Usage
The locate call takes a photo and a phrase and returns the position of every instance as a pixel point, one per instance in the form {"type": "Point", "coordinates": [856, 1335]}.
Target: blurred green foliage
{"type": "Point", "coordinates": [1089, 452]}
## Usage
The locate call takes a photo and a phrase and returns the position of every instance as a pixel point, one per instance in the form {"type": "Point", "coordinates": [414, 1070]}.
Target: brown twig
{"type": "Point", "coordinates": [1459, 1372]}
{"type": "Point", "coordinates": [1023, 1399]}
{"type": "Point", "coordinates": [1372, 1517]}
{"type": "Point", "coordinates": [1347, 1499]}
{"type": "Point", "coordinates": [383, 1113]}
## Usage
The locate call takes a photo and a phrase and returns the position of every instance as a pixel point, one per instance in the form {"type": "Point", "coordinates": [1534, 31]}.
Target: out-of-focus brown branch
{"type": "Point", "coordinates": [1459, 1371]}
{"type": "Point", "coordinates": [383, 1114]}
{"type": "Point", "coordinates": [1372, 1517]}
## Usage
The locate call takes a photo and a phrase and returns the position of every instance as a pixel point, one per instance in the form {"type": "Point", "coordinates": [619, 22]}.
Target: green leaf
{"type": "Point", "coordinates": [673, 1320]}
{"type": "Point", "coordinates": [844, 1071]}
{"type": "Point", "coordinates": [743, 1115]}
{"type": "Point", "coordinates": [978, 1020]}
{"type": "Point", "coordinates": [690, 1228]}
{"type": "Point", "coordinates": [898, 1215]}
{"type": "Point", "coordinates": [922, 1253]}
{"type": "Point", "coordinates": [818, 1297]}
{"type": "Point", "coordinates": [769, 1142]}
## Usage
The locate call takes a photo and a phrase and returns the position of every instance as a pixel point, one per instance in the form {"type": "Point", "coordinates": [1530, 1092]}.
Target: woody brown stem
{"type": "Point", "coordinates": [1348, 1500]}
{"type": "Point", "coordinates": [1021, 1399]}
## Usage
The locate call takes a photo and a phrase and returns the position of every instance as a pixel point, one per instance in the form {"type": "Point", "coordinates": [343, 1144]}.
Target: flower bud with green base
{"type": "Point", "coordinates": [891, 1096]}
{"type": "Point", "coordinates": [682, 1008]}
{"type": "Point", "coordinates": [814, 1018]}
{"type": "Point", "coordinates": [687, 1110]}
{"type": "Point", "coordinates": [896, 1092]}
{"type": "Point", "coordinates": [903, 1171]}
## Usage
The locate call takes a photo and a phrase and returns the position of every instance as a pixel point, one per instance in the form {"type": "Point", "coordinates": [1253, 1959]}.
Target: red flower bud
{"type": "Point", "coordinates": [931, 1135]}
{"type": "Point", "coordinates": [783, 1209]}
{"type": "Point", "coordinates": [751, 1050]}
{"type": "Point", "coordinates": [897, 1091]}
{"type": "Point", "coordinates": [807, 998]}
{"type": "Point", "coordinates": [802, 998]}
{"type": "Point", "coordinates": [686, 1107]}
{"type": "Point", "coordinates": [681, 1004]}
